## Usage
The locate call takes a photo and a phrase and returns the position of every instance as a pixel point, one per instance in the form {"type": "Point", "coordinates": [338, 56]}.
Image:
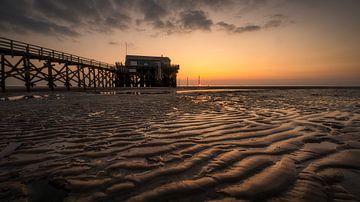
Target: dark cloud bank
{"type": "Point", "coordinates": [75, 17]}
{"type": "Point", "coordinates": [273, 21]}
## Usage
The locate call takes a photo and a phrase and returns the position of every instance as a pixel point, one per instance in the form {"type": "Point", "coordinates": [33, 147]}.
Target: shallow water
{"type": "Point", "coordinates": [287, 145]}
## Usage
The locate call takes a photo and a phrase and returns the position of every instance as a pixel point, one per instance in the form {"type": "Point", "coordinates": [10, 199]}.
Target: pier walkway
{"type": "Point", "coordinates": [31, 64]}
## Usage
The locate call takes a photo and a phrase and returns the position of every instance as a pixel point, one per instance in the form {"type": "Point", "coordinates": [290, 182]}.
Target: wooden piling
{"type": "Point", "coordinates": [67, 79]}
{"type": "Point", "coordinates": [78, 75]}
{"type": "Point", "coordinates": [94, 76]}
{"type": "Point", "coordinates": [3, 75]}
{"type": "Point", "coordinates": [26, 66]}
{"type": "Point", "coordinates": [50, 75]}
{"type": "Point", "coordinates": [83, 78]}
{"type": "Point", "coordinates": [102, 78]}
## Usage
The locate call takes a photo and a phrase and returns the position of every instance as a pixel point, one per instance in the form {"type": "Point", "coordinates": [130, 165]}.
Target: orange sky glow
{"type": "Point", "coordinates": [273, 42]}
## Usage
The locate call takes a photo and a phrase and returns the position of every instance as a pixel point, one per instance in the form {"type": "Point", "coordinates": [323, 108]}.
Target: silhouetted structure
{"type": "Point", "coordinates": [147, 71]}
{"type": "Point", "coordinates": [20, 61]}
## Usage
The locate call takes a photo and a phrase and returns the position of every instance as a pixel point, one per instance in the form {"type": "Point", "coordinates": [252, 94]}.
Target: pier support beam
{"type": "Point", "coordinates": [50, 75]}
{"type": "Point", "coordinates": [102, 78]}
{"type": "Point", "coordinates": [78, 75]}
{"type": "Point", "coordinates": [94, 76]}
{"type": "Point", "coordinates": [83, 77]}
{"type": "Point", "coordinates": [3, 76]}
{"type": "Point", "coordinates": [67, 79]}
{"type": "Point", "coordinates": [89, 77]}
{"type": "Point", "coordinates": [26, 64]}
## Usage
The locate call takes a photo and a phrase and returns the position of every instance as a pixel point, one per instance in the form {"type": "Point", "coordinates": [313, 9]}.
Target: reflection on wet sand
{"type": "Point", "coordinates": [276, 145]}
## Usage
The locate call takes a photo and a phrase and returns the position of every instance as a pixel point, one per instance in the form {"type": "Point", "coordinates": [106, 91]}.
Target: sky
{"type": "Point", "coordinates": [225, 42]}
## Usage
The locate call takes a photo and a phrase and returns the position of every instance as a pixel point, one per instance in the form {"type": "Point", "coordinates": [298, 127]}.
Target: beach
{"type": "Point", "coordinates": [162, 145]}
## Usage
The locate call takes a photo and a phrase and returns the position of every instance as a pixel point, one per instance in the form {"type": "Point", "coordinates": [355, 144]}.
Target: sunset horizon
{"type": "Point", "coordinates": [180, 100]}
{"type": "Point", "coordinates": [252, 42]}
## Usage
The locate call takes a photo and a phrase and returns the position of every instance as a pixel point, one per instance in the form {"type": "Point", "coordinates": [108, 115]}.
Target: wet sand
{"type": "Point", "coordinates": [274, 145]}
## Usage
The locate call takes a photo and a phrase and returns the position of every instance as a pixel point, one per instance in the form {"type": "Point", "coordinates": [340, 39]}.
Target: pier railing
{"type": "Point", "coordinates": [18, 48]}
{"type": "Point", "coordinates": [18, 61]}
{"type": "Point", "coordinates": [35, 66]}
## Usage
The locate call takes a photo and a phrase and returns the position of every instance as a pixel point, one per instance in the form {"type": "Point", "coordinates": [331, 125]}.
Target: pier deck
{"type": "Point", "coordinates": [32, 65]}
{"type": "Point", "coordinates": [20, 61]}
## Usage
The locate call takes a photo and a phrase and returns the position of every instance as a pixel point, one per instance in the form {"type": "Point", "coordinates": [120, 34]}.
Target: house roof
{"type": "Point", "coordinates": [141, 57]}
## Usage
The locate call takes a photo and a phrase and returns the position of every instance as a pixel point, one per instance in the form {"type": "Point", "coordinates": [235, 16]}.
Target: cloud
{"type": "Point", "coordinates": [151, 9]}
{"type": "Point", "coordinates": [194, 20]}
{"type": "Point", "coordinates": [16, 18]}
{"type": "Point", "coordinates": [277, 20]}
{"type": "Point", "coordinates": [96, 15]}
{"type": "Point", "coordinates": [198, 4]}
{"type": "Point", "coordinates": [73, 18]}
{"type": "Point", "coordinates": [183, 22]}
{"type": "Point", "coordinates": [231, 28]}
{"type": "Point", "coordinates": [113, 43]}
{"type": "Point", "coordinates": [247, 28]}
{"type": "Point", "coordinates": [61, 18]}
{"type": "Point", "coordinates": [273, 21]}
{"type": "Point", "coordinates": [175, 16]}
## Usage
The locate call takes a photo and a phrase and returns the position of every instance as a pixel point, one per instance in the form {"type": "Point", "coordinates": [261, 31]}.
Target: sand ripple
{"type": "Point", "coordinates": [276, 145]}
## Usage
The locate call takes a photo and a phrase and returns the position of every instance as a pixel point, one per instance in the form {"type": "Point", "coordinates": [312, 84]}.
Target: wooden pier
{"type": "Point", "coordinates": [18, 61]}
{"type": "Point", "coordinates": [32, 65]}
